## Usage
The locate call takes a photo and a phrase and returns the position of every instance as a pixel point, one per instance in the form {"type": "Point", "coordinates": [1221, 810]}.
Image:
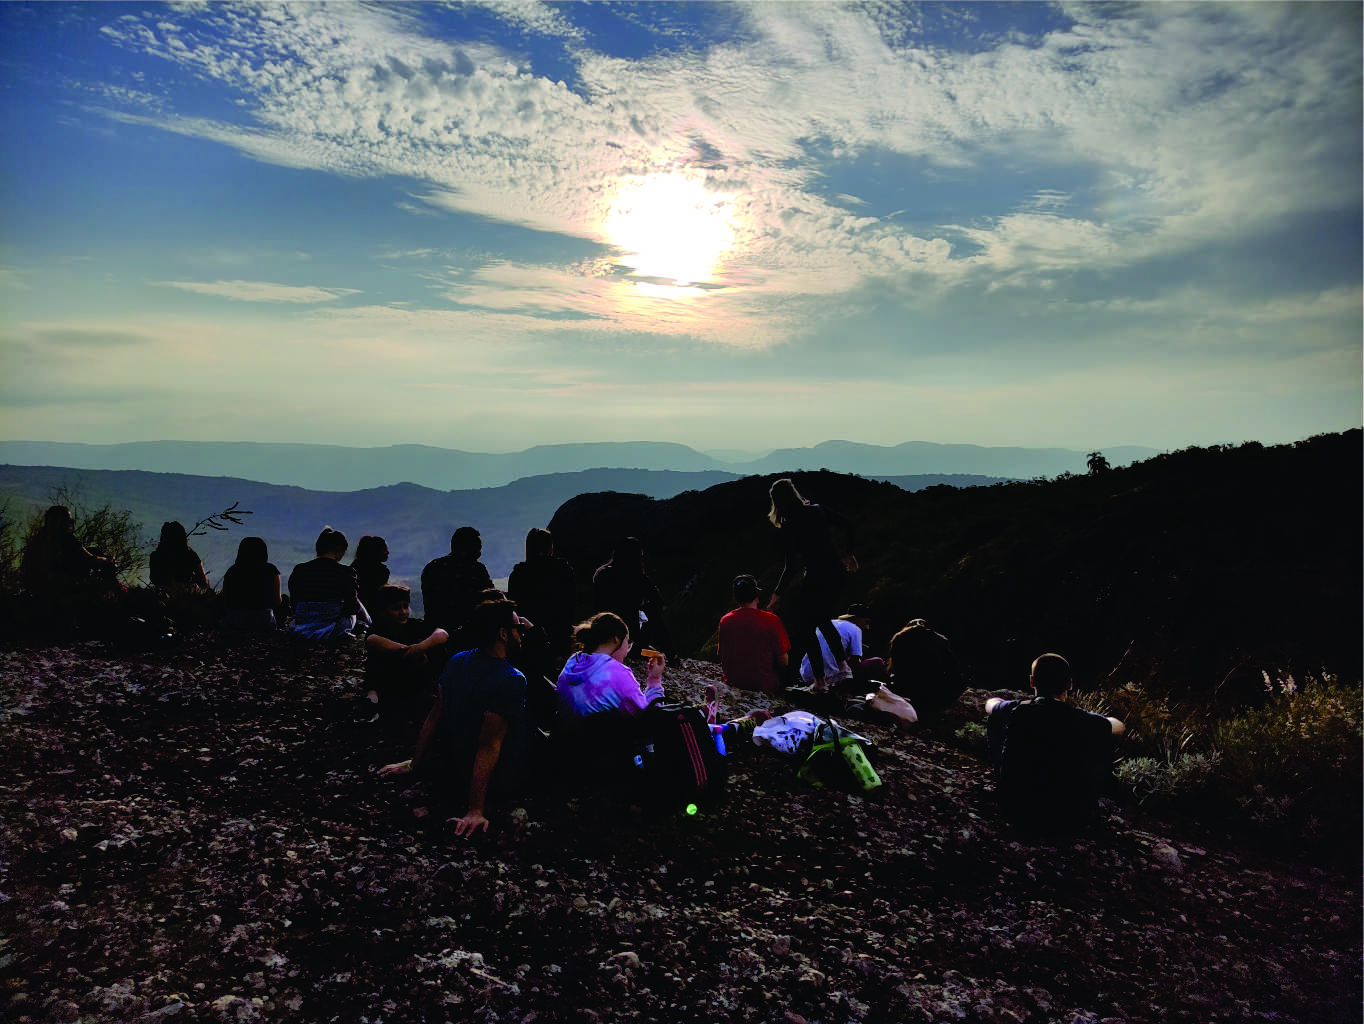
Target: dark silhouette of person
{"type": "Point", "coordinates": [923, 668]}
{"type": "Point", "coordinates": [252, 598]}
{"type": "Point", "coordinates": [622, 587]}
{"type": "Point", "coordinates": [1052, 760]}
{"type": "Point", "coordinates": [59, 573]}
{"type": "Point", "coordinates": [813, 576]}
{"type": "Point", "coordinates": [542, 587]}
{"type": "Point", "coordinates": [403, 658]}
{"type": "Point", "coordinates": [325, 593]}
{"type": "Point", "coordinates": [370, 571]}
{"type": "Point", "coordinates": [451, 584]}
{"type": "Point", "coordinates": [175, 567]}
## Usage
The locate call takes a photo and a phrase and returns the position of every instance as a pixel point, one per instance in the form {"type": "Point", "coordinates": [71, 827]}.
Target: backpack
{"type": "Point", "coordinates": [677, 753]}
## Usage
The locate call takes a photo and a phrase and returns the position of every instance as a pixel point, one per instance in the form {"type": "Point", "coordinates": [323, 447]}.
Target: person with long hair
{"type": "Point", "coordinates": [325, 592]}
{"type": "Point", "coordinates": [175, 566]}
{"type": "Point", "coordinates": [371, 572]}
{"type": "Point", "coordinates": [252, 599]}
{"type": "Point", "coordinates": [814, 575]}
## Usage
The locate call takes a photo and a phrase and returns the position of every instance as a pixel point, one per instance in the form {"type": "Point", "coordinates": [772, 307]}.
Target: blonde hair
{"type": "Point", "coordinates": [785, 500]}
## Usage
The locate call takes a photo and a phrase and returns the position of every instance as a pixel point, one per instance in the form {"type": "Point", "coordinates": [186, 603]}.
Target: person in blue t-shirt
{"type": "Point", "coordinates": [481, 714]}
{"type": "Point", "coordinates": [1052, 760]}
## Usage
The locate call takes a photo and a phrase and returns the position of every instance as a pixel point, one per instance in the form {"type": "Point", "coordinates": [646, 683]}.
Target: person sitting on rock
{"type": "Point", "coordinates": [371, 569]}
{"type": "Point", "coordinates": [451, 584]}
{"type": "Point", "coordinates": [480, 715]}
{"type": "Point", "coordinates": [752, 643]}
{"type": "Point", "coordinates": [175, 567]}
{"type": "Point", "coordinates": [252, 599]}
{"type": "Point", "coordinates": [403, 658]}
{"type": "Point", "coordinates": [70, 582]}
{"type": "Point", "coordinates": [1052, 760]}
{"type": "Point", "coordinates": [923, 669]}
{"type": "Point", "coordinates": [599, 697]}
{"type": "Point", "coordinates": [325, 592]}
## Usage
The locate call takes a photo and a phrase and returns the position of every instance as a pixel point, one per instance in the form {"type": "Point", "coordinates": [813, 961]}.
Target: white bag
{"type": "Point", "coordinates": [789, 733]}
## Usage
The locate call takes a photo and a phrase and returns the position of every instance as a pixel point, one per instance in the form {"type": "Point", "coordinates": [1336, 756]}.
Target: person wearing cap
{"type": "Point", "coordinates": [852, 627]}
{"type": "Point", "coordinates": [753, 644]}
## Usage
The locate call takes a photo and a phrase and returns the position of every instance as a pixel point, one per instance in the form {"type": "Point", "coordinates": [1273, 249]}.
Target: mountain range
{"type": "Point", "coordinates": [338, 468]}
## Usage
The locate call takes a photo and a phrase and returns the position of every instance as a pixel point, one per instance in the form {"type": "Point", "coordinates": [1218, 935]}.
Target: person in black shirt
{"type": "Point", "coordinates": [325, 592]}
{"type": "Point", "coordinates": [451, 584]}
{"type": "Point", "coordinates": [252, 600]}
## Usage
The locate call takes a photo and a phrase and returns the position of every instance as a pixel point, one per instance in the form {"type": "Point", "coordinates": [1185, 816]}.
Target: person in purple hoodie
{"type": "Point", "coordinates": [598, 696]}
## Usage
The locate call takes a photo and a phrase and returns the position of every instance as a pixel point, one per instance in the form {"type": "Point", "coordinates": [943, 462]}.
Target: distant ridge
{"type": "Point", "coordinates": [338, 468]}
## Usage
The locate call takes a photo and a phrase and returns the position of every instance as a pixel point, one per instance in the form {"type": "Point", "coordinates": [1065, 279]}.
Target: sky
{"type": "Point", "coordinates": [736, 226]}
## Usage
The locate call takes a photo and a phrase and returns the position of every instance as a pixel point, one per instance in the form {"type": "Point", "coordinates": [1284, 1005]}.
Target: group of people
{"type": "Point", "coordinates": [488, 677]}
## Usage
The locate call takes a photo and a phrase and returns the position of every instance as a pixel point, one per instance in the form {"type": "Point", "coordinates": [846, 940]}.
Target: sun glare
{"type": "Point", "coordinates": [671, 229]}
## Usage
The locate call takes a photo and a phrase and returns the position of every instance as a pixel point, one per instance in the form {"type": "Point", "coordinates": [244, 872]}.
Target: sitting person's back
{"type": "Point", "coordinates": [923, 668]}
{"type": "Point", "coordinates": [1053, 761]}
{"type": "Point", "coordinates": [542, 587]}
{"type": "Point", "coordinates": [252, 601]}
{"type": "Point", "coordinates": [325, 592]}
{"type": "Point", "coordinates": [174, 565]}
{"type": "Point", "coordinates": [452, 585]}
{"type": "Point", "coordinates": [752, 643]}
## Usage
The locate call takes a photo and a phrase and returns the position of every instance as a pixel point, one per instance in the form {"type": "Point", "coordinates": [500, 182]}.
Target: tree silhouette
{"type": "Point", "coordinates": [1097, 463]}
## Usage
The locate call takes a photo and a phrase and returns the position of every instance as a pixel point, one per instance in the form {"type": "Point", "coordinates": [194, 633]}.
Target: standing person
{"type": "Point", "coordinates": [542, 587]}
{"type": "Point", "coordinates": [622, 588]}
{"type": "Point", "coordinates": [753, 645]}
{"type": "Point", "coordinates": [451, 584]}
{"type": "Point", "coordinates": [1052, 760]}
{"type": "Point", "coordinates": [370, 571]}
{"type": "Point", "coordinates": [175, 566]}
{"type": "Point", "coordinates": [252, 598]}
{"type": "Point", "coordinates": [814, 574]}
{"type": "Point", "coordinates": [325, 592]}
{"type": "Point", "coordinates": [480, 713]}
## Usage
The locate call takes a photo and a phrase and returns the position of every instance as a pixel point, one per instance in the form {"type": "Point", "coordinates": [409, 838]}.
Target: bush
{"type": "Point", "coordinates": [104, 530]}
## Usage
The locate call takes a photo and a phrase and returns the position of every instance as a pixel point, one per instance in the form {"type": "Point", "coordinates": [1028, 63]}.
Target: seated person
{"type": "Point", "coordinates": [599, 696]}
{"type": "Point", "coordinates": [451, 584]}
{"type": "Point", "coordinates": [752, 644]}
{"type": "Point", "coordinates": [60, 574]}
{"type": "Point", "coordinates": [175, 566]}
{"type": "Point", "coordinates": [402, 658]}
{"type": "Point", "coordinates": [543, 588]}
{"type": "Point", "coordinates": [923, 669]}
{"type": "Point", "coordinates": [480, 715]}
{"type": "Point", "coordinates": [325, 592]}
{"type": "Point", "coordinates": [622, 587]}
{"type": "Point", "coordinates": [371, 572]}
{"type": "Point", "coordinates": [850, 628]}
{"type": "Point", "coordinates": [252, 600]}
{"type": "Point", "coordinates": [1052, 760]}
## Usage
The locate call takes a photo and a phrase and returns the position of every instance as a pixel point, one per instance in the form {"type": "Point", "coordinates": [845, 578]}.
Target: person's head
{"type": "Point", "coordinates": [603, 629]}
{"type": "Point", "coordinates": [393, 603]}
{"type": "Point", "coordinates": [173, 537]}
{"type": "Point", "coordinates": [859, 615]}
{"type": "Point", "coordinates": [539, 543]}
{"type": "Point", "coordinates": [252, 551]}
{"type": "Point", "coordinates": [370, 549]}
{"type": "Point", "coordinates": [1050, 675]}
{"type": "Point", "coordinates": [331, 543]}
{"type": "Point", "coordinates": [745, 589]}
{"type": "Point", "coordinates": [466, 543]}
{"type": "Point", "coordinates": [59, 518]}
{"type": "Point", "coordinates": [492, 622]}
{"type": "Point", "coordinates": [785, 501]}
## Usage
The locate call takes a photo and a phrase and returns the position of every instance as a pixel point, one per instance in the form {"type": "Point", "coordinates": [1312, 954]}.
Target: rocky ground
{"type": "Point", "coordinates": [198, 834]}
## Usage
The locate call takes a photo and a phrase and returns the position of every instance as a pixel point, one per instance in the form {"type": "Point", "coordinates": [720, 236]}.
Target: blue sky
{"type": "Point", "coordinates": [737, 226]}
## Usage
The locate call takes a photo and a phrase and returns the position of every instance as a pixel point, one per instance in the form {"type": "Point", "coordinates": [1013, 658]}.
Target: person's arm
{"type": "Point", "coordinates": [490, 737]}
{"type": "Point", "coordinates": [653, 689]}
{"type": "Point", "coordinates": [276, 594]}
{"type": "Point", "coordinates": [993, 703]}
{"type": "Point", "coordinates": [424, 738]}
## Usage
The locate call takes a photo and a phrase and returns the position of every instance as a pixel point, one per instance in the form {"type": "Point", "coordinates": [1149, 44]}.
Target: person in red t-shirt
{"type": "Point", "coordinates": [753, 643]}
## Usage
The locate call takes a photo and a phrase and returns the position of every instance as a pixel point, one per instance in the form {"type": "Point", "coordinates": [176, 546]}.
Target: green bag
{"type": "Point", "coordinates": [838, 760]}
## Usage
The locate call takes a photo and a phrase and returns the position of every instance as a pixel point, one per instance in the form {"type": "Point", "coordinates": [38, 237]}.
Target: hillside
{"type": "Point", "coordinates": [1195, 572]}
{"type": "Point", "coordinates": [198, 835]}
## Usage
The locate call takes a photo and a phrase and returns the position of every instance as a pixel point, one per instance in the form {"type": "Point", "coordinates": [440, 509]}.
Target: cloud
{"type": "Point", "coordinates": [1183, 126]}
{"type": "Point", "coordinates": [259, 291]}
{"type": "Point", "coordinates": [77, 338]}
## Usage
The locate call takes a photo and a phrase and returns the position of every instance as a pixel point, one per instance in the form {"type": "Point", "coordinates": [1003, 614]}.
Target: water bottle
{"type": "Point", "coordinates": [856, 759]}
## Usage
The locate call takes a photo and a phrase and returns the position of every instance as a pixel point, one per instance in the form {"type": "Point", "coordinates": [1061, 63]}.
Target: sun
{"type": "Point", "coordinates": [671, 229]}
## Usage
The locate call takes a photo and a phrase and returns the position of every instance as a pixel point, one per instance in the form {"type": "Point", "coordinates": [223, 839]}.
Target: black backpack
{"type": "Point", "coordinates": [682, 769]}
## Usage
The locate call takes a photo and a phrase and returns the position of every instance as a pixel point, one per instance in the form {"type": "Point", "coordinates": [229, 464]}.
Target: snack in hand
{"type": "Point", "coordinates": [649, 652]}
